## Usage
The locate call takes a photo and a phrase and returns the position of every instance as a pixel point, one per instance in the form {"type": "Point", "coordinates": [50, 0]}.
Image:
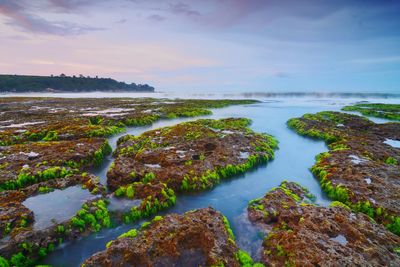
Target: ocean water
{"type": "Point", "coordinates": [292, 162]}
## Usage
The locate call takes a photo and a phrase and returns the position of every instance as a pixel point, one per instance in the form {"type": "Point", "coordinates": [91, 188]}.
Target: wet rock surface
{"type": "Point", "coordinates": [387, 111]}
{"type": "Point", "coordinates": [33, 119]}
{"type": "Point", "coordinates": [361, 169]}
{"type": "Point", "coordinates": [197, 238]}
{"type": "Point", "coordinates": [53, 143]}
{"type": "Point", "coordinates": [12, 212]}
{"type": "Point", "coordinates": [33, 159]}
{"type": "Point", "coordinates": [300, 233]}
{"type": "Point", "coordinates": [191, 155]}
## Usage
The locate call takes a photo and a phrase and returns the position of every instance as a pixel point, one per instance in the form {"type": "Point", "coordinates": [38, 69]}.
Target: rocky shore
{"type": "Point", "coordinates": [386, 111]}
{"type": "Point", "coordinates": [48, 144]}
{"type": "Point", "coordinates": [361, 168]}
{"type": "Point", "coordinates": [300, 233]}
{"type": "Point", "coordinates": [190, 156]}
{"type": "Point", "coordinates": [197, 238]}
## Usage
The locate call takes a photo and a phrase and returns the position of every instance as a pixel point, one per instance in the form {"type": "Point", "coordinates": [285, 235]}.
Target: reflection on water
{"type": "Point", "coordinates": [57, 206]}
{"type": "Point", "coordinates": [292, 162]}
{"type": "Point", "coordinates": [122, 204]}
{"type": "Point", "coordinates": [393, 143]}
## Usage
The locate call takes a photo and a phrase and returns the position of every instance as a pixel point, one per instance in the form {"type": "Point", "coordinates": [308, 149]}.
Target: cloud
{"type": "Point", "coordinates": [20, 18]}
{"type": "Point", "coordinates": [156, 18]}
{"type": "Point", "coordinates": [121, 21]}
{"type": "Point", "coordinates": [183, 9]}
{"type": "Point", "coordinates": [70, 5]}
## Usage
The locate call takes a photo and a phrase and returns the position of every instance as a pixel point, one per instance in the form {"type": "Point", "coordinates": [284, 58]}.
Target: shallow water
{"type": "Point", "coordinates": [341, 239]}
{"type": "Point", "coordinates": [56, 206]}
{"type": "Point", "coordinates": [393, 143]}
{"type": "Point", "coordinates": [292, 162]}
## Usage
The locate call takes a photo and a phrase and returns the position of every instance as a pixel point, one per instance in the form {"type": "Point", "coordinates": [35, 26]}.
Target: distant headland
{"type": "Point", "coordinates": [64, 83]}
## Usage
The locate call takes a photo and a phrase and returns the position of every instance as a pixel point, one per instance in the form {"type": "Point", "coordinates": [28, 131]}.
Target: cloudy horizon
{"type": "Point", "coordinates": [210, 45]}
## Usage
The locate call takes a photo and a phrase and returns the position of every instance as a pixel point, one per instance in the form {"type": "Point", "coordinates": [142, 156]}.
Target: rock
{"type": "Point", "coordinates": [360, 170]}
{"type": "Point", "coordinates": [46, 119]}
{"type": "Point", "coordinates": [50, 143]}
{"type": "Point", "coordinates": [69, 156]}
{"type": "Point", "coordinates": [13, 214]}
{"type": "Point", "coordinates": [387, 111]}
{"type": "Point", "coordinates": [303, 234]}
{"type": "Point", "coordinates": [197, 238]}
{"type": "Point", "coordinates": [190, 156]}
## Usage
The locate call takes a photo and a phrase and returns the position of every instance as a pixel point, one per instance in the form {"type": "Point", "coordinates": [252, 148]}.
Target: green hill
{"type": "Point", "coordinates": [63, 83]}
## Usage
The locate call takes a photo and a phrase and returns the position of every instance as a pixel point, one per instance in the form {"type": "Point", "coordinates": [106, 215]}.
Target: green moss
{"type": "Point", "coordinates": [394, 226]}
{"type": "Point", "coordinates": [141, 121]}
{"type": "Point", "coordinates": [20, 260]}
{"type": "Point", "coordinates": [101, 153]}
{"type": "Point", "coordinates": [26, 178]}
{"type": "Point", "coordinates": [121, 191]}
{"type": "Point", "coordinates": [338, 147]}
{"type": "Point", "coordinates": [60, 229]}
{"type": "Point", "coordinates": [51, 136]}
{"type": "Point", "coordinates": [130, 192]}
{"type": "Point", "coordinates": [342, 194]}
{"type": "Point", "coordinates": [300, 127]}
{"type": "Point", "coordinates": [97, 120]}
{"type": "Point", "coordinates": [280, 251]}
{"type": "Point", "coordinates": [339, 204]}
{"type": "Point", "coordinates": [7, 229]}
{"type": "Point", "coordinates": [288, 192]}
{"type": "Point", "coordinates": [93, 216]}
{"type": "Point", "coordinates": [335, 192]}
{"type": "Point", "coordinates": [157, 218]}
{"type": "Point", "coordinates": [391, 161]}
{"type": "Point", "coordinates": [188, 112]}
{"type": "Point", "coordinates": [35, 136]}
{"type": "Point", "coordinates": [244, 258]}
{"type": "Point", "coordinates": [228, 228]}
{"type": "Point", "coordinates": [387, 111]}
{"type": "Point", "coordinates": [105, 131]}
{"type": "Point", "coordinates": [145, 225]}
{"type": "Point", "coordinates": [151, 205]}
{"type": "Point", "coordinates": [131, 234]}
{"type": "Point", "coordinates": [3, 262]}
{"type": "Point", "coordinates": [210, 178]}
{"type": "Point", "coordinates": [45, 189]}
{"type": "Point", "coordinates": [148, 177]}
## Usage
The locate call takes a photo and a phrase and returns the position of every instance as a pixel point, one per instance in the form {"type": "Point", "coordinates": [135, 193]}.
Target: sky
{"type": "Point", "coordinates": [208, 45]}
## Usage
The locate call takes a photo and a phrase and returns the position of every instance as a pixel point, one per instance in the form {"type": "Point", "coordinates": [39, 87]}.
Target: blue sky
{"type": "Point", "coordinates": [208, 45]}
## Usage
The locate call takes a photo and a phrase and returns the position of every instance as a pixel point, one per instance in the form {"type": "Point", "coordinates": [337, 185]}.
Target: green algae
{"type": "Point", "coordinates": [386, 111]}
{"type": "Point", "coordinates": [94, 215]}
{"type": "Point", "coordinates": [25, 177]}
{"type": "Point", "coordinates": [151, 205]}
{"type": "Point", "coordinates": [320, 169]}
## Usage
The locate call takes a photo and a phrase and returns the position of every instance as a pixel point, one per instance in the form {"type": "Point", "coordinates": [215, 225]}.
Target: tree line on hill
{"type": "Point", "coordinates": [63, 83]}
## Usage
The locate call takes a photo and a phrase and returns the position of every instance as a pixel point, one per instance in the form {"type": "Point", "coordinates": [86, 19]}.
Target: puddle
{"type": "Point", "coordinates": [153, 166]}
{"type": "Point", "coordinates": [243, 155]}
{"type": "Point", "coordinates": [122, 204]}
{"type": "Point", "coordinates": [341, 239]}
{"type": "Point", "coordinates": [22, 124]}
{"type": "Point", "coordinates": [392, 143]}
{"type": "Point", "coordinates": [356, 159]}
{"type": "Point", "coordinates": [56, 206]}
